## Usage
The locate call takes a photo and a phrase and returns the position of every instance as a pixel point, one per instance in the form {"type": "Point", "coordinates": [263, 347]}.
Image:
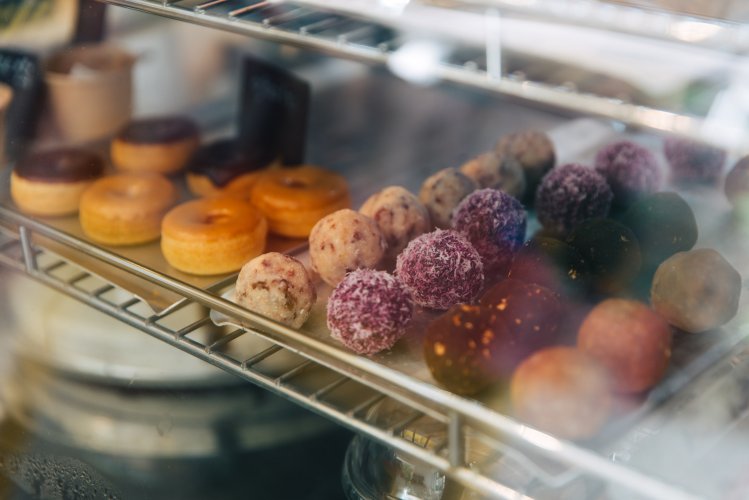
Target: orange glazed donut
{"type": "Point", "coordinates": [294, 199]}
{"type": "Point", "coordinates": [212, 235]}
{"type": "Point", "coordinates": [126, 209]}
{"type": "Point", "coordinates": [162, 145]}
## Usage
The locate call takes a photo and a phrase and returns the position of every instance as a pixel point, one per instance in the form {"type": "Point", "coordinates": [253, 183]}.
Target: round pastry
{"type": "Point", "coordinates": [611, 251]}
{"type": "Point", "coordinates": [51, 183]}
{"type": "Point", "coordinates": [532, 315]}
{"type": "Point", "coordinates": [569, 195]}
{"type": "Point", "coordinates": [295, 199]}
{"type": "Point", "coordinates": [630, 340]}
{"type": "Point", "coordinates": [502, 172]}
{"type": "Point", "coordinates": [368, 311]}
{"type": "Point", "coordinates": [494, 222]}
{"type": "Point", "coordinates": [441, 269]}
{"type": "Point", "coordinates": [693, 162]}
{"type": "Point", "coordinates": [462, 348]}
{"type": "Point", "coordinates": [212, 235]}
{"type": "Point", "coordinates": [163, 145]}
{"type": "Point", "coordinates": [278, 287]}
{"type": "Point", "coordinates": [696, 291]}
{"type": "Point", "coordinates": [126, 209]}
{"type": "Point", "coordinates": [221, 168]}
{"type": "Point", "coordinates": [535, 152]}
{"type": "Point", "coordinates": [551, 263]}
{"type": "Point", "coordinates": [737, 184]}
{"type": "Point", "coordinates": [562, 391]}
{"type": "Point", "coordinates": [663, 224]}
{"type": "Point", "coordinates": [630, 169]}
{"type": "Point", "coordinates": [399, 215]}
{"type": "Point", "coordinates": [342, 242]}
{"type": "Point", "coordinates": [442, 192]}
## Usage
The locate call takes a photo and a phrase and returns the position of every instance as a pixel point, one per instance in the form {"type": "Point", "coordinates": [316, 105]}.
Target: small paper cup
{"type": "Point", "coordinates": [6, 95]}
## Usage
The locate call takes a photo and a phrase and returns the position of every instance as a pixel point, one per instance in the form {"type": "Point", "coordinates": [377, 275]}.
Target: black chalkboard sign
{"type": "Point", "coordinates": [273, 112]}
{"type": "Point", "coordinates": [22, 71]}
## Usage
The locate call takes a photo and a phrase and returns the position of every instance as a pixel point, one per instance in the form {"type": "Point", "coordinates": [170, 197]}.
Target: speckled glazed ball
{"type": "Point", "coordinates": [630, 340]}
{"type": "Point", "coordinates": [442, 192]}
{"type": "Point", "coordinates": [551, 263]}
{"type": "Point", "coordinates": [630, 169]}
{"type": "Point", "coordinates": [569, 195]}
{"type": "Point", "coordinates": [696, 291]}
{"type": "Point", "coordinates": [368, 311]}
{"type": "Point", "coordinates": [399, 215]}
{"type": "Point", "coordinates": [343, 241]}
{"type": "Point", "coordinates": [502, 172]}
{"type": "Point", "coordinates": [563, 391]}
{"type": "Point", "coordinates": [535, 152]}
{"type": "Point", "coordinates": [737, 184]}
{"type": "Point", "coordinates": [462, 348]}
{"type": "Point", "coordinates": [692, 162]}
{"type": "Point", "coordinates": [494, 222]}
{"type": "Point", "coordinates": [441, 269]}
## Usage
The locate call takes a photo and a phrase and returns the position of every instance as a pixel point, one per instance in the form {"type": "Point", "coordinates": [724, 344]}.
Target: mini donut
{"type": "Point", "coordinates": [345, 241]}
{"type": "Point", "coordinates": [442, 192]}
{"type": "Point", "coordinates": [163, 145]}
{"type": "Point", "coordinates": [399, 215]}
{"type": "Point", "coordinates": [51, 183]}
{"type": "Point", "coordinates": [294, 199]}
{"type": "Point", "coordinates": [126, 209]}
{"type": "Point", "coordinates": [277, 286]}
{"type": "Point", "coordinates": [212, 235]}
{"type": "Point", "coordinates": [221, 168]}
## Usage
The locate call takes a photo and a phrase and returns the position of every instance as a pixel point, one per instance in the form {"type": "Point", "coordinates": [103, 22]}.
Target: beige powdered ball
{"type": "Point", "coordinates": [400, 216]}
{"type": "Point", "coordinates": [344, 241]}
{"type": "Point", "coordinates": [276, 286]}
{"type": "Point", "coordinates": [442, 192]}
{"type": "Point", "coordinates": [502, 172]}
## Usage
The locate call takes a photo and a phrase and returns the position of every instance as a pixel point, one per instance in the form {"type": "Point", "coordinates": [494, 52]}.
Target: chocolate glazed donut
{"type": "Point", "coordinates": [162, 145]}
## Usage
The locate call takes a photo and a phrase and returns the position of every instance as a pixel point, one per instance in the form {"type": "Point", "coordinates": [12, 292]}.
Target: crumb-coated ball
{"type": "Point", "coordinates": [663, 224]}
{"type": "Point", "coordinates": [494, 222]}
{"type": "Point", "coordinates": [442, 192]}
{"type": "Point", "coordinates": [562, 391]}
{"type": "Point", "coordinates": [551, 263]}
{"type": "Point", "coordinates": [630, 169]}
{"type": "Point", "coordinates": [368, 311]}
{"type": "Point", "coordinates": [630, 340]}
{"type": "Point", "coordinates": [502, 172]}
{"type": "Point", "coordinates": [569, 195]}
{"type": "Point", "coordinates": [400, 216]}
{"type": "Point", "coordinates": [277, 286]}
{"type": "Point", "coordinates": [343, 241]}
{"type": "Point", "coordinates": [532, 314]}
{"type": "Point", "coordinates": [462, 348]}
{"type": "Point", "coordinates": [693, 162]}
{"type": "Point", "coordinates": [612, 252]}
{"type": "Point", "coordinates": [535, 152]}
{"type": "Point", "coordinates": [441, 269]}
{"type": "Point", "coordinates": [697, 290]}
{"type": "Point", "coordinates": [737, 183]}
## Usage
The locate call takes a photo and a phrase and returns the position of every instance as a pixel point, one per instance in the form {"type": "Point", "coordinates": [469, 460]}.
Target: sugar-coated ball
{"type": "Point", "coordinates": [442, 192]}
{"type": "Point", "coordinates": [693, 162]}
{"type": "Point", "coordinates": [369, 311]}
{"type": "Point", "coordinates": [630, 340]}
{"type": "Point", "coordinates": [441, 269]}
{"type": "Point", "coordinates": [630, 169]}
{"type": "Point", "coordinates": [569, 195]}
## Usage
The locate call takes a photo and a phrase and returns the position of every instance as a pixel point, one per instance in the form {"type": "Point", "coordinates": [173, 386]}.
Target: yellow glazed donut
{"type": "Point", "coordinates": [126, 209]}
{"type": "Point", "coordinates": [212, 235]}
{"type": "Point", "coordinates": [294, 199]}
{"type": "Point", "coordinates": [162, 145]}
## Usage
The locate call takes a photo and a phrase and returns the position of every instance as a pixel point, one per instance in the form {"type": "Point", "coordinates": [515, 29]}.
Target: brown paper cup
{"type": "Point", "coordinates": [6, 94]}
{"type": "Point", "coordinates": [90, 89]}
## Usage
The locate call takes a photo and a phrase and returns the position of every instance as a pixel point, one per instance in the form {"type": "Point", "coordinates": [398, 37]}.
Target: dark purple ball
{"type": "Point", "coordinates": [693, 162]}
{"type": "Point", "coordinates": [630, 169]}
{"type": "Point", "coordinates": [569, 195]}
{"type": "Point", "coordinates": [441, 269]}
{"type": "Point", "coordinates": [368, 311]}
{"type": "Point", "coordinates": [494, 222]}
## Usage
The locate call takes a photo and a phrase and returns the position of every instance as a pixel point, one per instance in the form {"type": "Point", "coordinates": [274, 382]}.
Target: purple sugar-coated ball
{"type": "Point", "coordinates": [630, 170]}
{"type": "Point", "coordinates": [494, 222]}
{"type": "Point", "coordinates": [693, 162]}
{"type": "Point", "coordinates": [571, 194]}
{"type": "Point", "coordinates": [368, 311]}
{"type": "Point", "coordinates": [441, 269]}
